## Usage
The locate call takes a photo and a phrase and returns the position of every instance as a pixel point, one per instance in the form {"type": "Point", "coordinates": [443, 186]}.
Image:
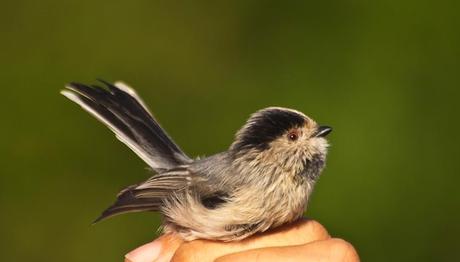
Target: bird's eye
{"type": "Point", "coordinates": [293, 136]}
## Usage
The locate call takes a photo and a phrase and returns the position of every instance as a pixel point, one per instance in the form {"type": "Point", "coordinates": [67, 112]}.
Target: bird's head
{"type": "Point", "coordinates": [284, 139]}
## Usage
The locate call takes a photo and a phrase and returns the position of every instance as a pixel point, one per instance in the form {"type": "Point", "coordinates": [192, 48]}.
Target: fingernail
{"type": "Point", "coordinates": [146, 253]}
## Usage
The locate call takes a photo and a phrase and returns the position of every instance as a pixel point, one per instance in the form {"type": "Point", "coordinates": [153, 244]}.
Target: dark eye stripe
{"type": "Point", "coordinates": [265, 126]}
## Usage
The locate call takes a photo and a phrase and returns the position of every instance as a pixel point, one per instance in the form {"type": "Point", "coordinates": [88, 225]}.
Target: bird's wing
{"type": "Point", "coordinates": [121, 109]}
{"type": "Point", "coordinates": [150, 194]}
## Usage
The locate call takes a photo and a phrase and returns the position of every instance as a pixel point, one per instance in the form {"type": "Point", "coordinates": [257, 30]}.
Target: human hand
{"type": "Point", "coordinates": [305, 240]}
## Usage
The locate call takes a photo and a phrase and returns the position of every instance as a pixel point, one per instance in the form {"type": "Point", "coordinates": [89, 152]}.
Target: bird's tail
{"type": "Point", "coordinates": [121, 109]}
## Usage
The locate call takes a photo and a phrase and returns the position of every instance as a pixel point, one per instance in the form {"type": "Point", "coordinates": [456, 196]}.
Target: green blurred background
{"type": "Point", "coordinates": [384, 74]}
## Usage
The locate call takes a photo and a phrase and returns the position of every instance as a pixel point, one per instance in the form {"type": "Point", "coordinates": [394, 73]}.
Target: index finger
{"type": "Point", "coordinates": [323, 250]}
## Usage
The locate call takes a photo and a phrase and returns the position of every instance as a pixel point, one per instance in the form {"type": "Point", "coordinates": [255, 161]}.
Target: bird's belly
{"type": "Point", "coordinates": [244, 215]}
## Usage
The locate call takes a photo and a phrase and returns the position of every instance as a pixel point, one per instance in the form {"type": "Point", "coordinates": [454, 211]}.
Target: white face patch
{"type": "Point", "coordinates": [318, 145]}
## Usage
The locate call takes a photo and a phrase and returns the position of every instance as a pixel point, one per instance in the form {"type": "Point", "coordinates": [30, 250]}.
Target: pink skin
{"type": "Point", "coordinates": [305, 240]}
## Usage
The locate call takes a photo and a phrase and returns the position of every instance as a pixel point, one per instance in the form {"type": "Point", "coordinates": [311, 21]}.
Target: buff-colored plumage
{"type": "Point", "coordinates": [262, 181]}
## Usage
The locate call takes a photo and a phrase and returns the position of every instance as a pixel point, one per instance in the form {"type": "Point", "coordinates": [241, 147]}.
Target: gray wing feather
{"type": "Point", "coordinates": [149, 195]}
{"type": "Point", "coordinates": [204, 178]}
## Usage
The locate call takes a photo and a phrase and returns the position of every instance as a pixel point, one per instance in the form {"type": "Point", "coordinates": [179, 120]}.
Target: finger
{"type": "Point", "coordinates": [324, 250]}
{"type": "Point", "coordinates": [301, 232]}
{"type": "Point", "coordinates": [160, 250]}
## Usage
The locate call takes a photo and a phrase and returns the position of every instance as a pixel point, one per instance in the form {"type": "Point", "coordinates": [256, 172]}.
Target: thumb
{"type": "Point", "coordinates": [160, 250]}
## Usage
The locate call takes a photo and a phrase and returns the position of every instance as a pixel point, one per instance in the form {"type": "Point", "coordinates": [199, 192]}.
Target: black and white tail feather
{"type": "Point", "coordinates": [120, 108]}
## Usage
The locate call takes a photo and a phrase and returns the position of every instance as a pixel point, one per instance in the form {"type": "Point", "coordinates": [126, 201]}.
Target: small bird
{"type": "Point", "coordinates": [262, 181]}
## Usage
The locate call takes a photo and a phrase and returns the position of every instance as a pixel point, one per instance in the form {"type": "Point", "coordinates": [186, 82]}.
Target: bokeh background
{"type": "Point", "coordinates": [384, 74]}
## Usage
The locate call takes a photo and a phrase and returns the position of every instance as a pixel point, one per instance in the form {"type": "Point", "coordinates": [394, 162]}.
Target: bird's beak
{"type": "Point", "coordinates": [323, 131]}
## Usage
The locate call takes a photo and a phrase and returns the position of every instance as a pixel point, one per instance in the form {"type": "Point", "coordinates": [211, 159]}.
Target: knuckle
{"type": "Point", "coordinates": [187, 252]}
{"type": "Point", "coordinates": [181, 255]}
{"type": "Point", "coordinates": [315, 228]}
{"type": "Point", "coordinates": [341, 250]}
